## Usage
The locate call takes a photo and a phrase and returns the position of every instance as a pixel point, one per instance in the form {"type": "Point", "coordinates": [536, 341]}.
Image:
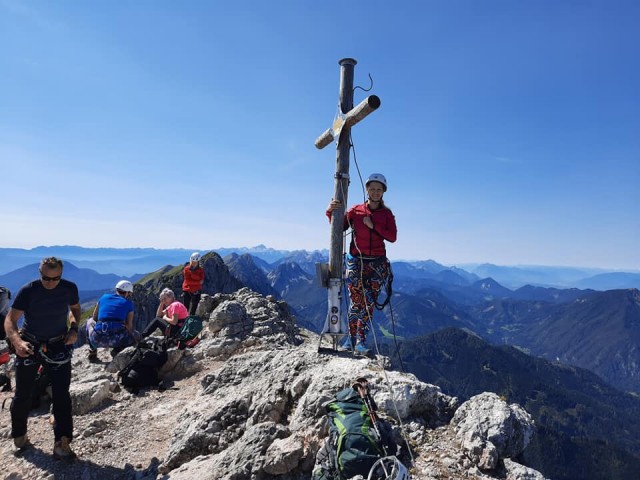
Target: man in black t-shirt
{"type": "Point", "coordinates": [45, 339]}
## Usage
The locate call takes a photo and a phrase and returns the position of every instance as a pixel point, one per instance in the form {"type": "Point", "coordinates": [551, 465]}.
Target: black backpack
{"type": "Point", "coordinates": [142, 368]}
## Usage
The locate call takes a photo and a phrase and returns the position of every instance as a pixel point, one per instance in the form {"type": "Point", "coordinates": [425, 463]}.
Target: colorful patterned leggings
{"type": "Point", "coordinates": [365, 279]}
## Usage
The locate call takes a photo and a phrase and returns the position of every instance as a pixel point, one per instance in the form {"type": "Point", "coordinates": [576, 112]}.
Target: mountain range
{"type": "Point", "coordinates": [590, 329]}
{"type": "Point", "coordinates": [86, 278]}
{"type": "Point", "coordinates": [583, 327]}
{"type": "Point", "coordinates": [130, 261]}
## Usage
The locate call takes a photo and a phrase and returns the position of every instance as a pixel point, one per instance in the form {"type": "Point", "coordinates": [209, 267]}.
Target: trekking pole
{"type": "Point", "coordinates": [365, 383]}
{"type": "Point", "coordinates": [362, 391]}
{"type": "Point", "coordinates": [362, 387]}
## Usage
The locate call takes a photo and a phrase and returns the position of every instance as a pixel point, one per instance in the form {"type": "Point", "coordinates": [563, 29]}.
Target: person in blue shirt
{"type": "Point", "coordinates": [111, 324]}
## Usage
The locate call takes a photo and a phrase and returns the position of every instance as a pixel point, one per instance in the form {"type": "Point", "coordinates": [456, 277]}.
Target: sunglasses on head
{"type": "Point", "coordinates": [50, 279]}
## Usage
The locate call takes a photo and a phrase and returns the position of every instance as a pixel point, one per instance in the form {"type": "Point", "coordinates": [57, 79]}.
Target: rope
{"type": "Point", "coordinates": [395, 340]}
{"type": "Point", "coordinates": [355, 161]}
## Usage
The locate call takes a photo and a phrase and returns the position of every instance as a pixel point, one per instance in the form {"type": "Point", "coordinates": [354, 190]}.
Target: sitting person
{"type": "Point", "coordinates": [111, 324]}
{"type": "Point", "coordinates": [169, 317]}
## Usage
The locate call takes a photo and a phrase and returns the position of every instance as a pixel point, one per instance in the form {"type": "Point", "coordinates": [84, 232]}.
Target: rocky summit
{"type": "Point", "coordinates": [247, 402]}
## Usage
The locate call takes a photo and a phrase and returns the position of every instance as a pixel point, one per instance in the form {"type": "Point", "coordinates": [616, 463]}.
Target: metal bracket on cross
{"type": "Point", "coordinates": [330, 276]}
{"type": "Point", "coordinates": [355, 115]}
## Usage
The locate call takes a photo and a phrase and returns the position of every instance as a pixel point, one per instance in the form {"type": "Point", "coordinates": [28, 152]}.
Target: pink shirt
{"type": "Point", "coordinates": [179, 308]}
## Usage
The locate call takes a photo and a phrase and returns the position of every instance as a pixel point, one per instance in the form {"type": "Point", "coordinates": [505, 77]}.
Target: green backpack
{"type": "Point", "coordinates": [188, 335]}
{"type": "Point", "coordinates": [353, 445]}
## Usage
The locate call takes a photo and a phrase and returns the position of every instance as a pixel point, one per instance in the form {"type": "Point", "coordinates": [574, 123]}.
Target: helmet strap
{"type": "Point", "coordinates": [378, 203]}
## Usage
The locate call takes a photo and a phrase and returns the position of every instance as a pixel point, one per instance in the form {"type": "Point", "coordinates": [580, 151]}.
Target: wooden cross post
{"type": "Point", "coordinates": [347, 117]}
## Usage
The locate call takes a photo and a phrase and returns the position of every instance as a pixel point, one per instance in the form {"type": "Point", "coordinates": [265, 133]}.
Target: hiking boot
{"type": "Point", "coordinates": [349, 342]}
{"type": "Point", "coordinates": [361, 348]}
{"type": "Point", "coordinates": [93, 356]}
{"type": "Point", "coordinates": [22, 442]}
{"type": "Point", "coordinates": [62, 450]}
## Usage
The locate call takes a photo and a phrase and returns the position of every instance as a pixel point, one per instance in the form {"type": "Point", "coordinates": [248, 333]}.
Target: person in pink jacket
{"type": "Point", "coordinates": [372, 223]}
{"type": "Point", "coordinates": [169, 317]}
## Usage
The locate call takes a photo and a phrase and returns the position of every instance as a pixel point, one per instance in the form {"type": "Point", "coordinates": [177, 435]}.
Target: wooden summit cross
{"type": "Point", "coordinates": [331, 277]}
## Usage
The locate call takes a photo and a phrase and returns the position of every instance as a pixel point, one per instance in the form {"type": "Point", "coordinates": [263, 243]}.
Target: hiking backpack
{"type": "Point", "coordinates": [353, 445]}
{"type": "Point", "coordinates": [142, 368]}
{"type": "Point", "coordinates": [189, 333]}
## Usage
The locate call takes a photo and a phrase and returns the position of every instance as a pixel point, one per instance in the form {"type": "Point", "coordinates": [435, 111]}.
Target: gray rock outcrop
{"type": "Point", "coordinates": [275, 388]}
{"type": "Point", "coordinates": [489, 430]}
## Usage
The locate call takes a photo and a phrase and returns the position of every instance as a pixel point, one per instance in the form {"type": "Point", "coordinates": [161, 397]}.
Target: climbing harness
{"type": "Point", "coordinates": [58, 355]}
{"type": "Point", "coordinates": [107, 326]}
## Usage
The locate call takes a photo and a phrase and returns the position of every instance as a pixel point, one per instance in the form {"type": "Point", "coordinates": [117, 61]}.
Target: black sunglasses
{"type": "Point", "coordinates": [50, 279]}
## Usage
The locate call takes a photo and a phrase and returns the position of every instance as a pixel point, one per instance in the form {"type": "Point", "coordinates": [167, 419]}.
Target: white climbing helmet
{"type": "Point", "coordinates": [195, 256]}
{"type": "Point", "coordinates": [389, 468]}
{"type": "Point", "coordinates": [377, 177]}
{"type": "Point", "coordinates": [124, 286]}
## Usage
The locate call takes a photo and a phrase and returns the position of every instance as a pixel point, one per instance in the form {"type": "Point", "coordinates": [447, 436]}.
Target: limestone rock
{"type": "Point", "coordinates": [414, 398]}
{"type": "Point", "coordinates": [248, 314]}
{"type": "Point", "coordinates": [283, 455]}
{"type": "Point", "coordinates": [287, 387]}
{"type": "Point", "coordinates": [489, 429]}
{"type": "Point", "coordinates": [87, 395]}
{"type": "Point", "coordinates": [230, 319]}
{"type": "Point", "coordinates": [515, 471]}
{"type": "Point", "coordinates": [243, 459]}
{"type": "Point", "coordinates": [179, 364]}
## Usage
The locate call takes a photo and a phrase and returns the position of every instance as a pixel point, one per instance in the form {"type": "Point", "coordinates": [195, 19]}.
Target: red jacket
{"type": "Point", "coordinates": [366, 241]}
{"type": "Point", "coordinates": [193, 279]}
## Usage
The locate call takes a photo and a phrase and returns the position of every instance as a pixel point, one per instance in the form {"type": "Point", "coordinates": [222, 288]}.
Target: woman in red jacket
{"type": "Point", "coordinates": [192, 284]}
{"type": "Point", "coordinates": [368, 268]}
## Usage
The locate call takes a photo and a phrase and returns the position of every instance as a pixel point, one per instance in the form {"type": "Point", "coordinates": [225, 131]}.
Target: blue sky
{"type": "Point", "coordinates": [509, 131]}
